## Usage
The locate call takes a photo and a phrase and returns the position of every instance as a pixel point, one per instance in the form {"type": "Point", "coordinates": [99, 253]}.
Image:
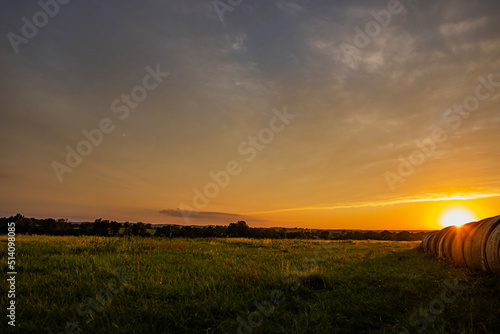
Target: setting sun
{"type": "Point", "coordinates": [456, 215]}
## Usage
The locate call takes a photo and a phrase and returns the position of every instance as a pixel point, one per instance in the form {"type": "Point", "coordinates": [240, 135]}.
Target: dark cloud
{"type": "Point", "coordinates": [198, 214]}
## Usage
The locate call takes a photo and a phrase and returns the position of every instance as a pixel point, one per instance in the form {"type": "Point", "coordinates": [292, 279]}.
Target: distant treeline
{"type": "Point", "coordinates": [106, 228]}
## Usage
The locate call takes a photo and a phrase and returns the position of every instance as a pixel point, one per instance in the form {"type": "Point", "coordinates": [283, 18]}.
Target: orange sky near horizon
{"type": "Point", "coordinates": [407, 216]}
{"type": "Point", "coordinates": [420, 215]}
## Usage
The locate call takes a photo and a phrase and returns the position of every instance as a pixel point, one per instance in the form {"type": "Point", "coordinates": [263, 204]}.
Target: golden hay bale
{"type": "Point", "coordinates": [479, 242]}
{"type": "Point", "coordinates": [457, 245]}
{"type": "Point", "coordinates": [433, 242]}
{"type": "Point", "coordinates": [425, 241]}
{"type": "Point", "coordinates": [445, 241]}
{"type": "Point", "coordinates": [475, 244]}
{"type": "Point", "coordinates": [493, 248]}
{"type": "Point", "coordinates": [427, 246]}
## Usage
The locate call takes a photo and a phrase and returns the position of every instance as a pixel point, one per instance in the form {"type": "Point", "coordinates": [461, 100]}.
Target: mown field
{"type": "Point", "coordinates": [148, 285]}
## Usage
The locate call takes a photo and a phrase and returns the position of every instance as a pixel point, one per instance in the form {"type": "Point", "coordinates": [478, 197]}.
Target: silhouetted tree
{"type": "Point", "coordinates": [140, 229]}
{"type": "Point", "coordinates": [101, 227]}
{"type": "Point", "coordinates": [239, 229]}
{"type": "Point", "coordinates": [209, 232]}
{"type": "Point", "coordinates": [164, 231]}
{"type": "Point", "coordinates": [127, 228]}
{"type": "Point", "coordinates": [86, 229]}
{"type": "Point", "coordinates": [114, 228]}
{"type": "Point", "coordinates": [403, 236]}
{"type": "Point", "coordinates": [386, 235]}
{"type": "Point", "coordinates": [325, 235]}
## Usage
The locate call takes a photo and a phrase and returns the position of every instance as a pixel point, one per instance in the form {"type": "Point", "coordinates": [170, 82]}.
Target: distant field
{"type": "Point", "coordinates": [226, 285]}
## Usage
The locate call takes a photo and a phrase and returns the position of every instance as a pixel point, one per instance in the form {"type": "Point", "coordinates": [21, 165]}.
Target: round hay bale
{"type": "Point", "coordinates": [457, 245]}
{"type": "Point", "coordinates": [493, 249]}
{"type": "Point", "coordinates": [445, 242]}
{"type": "Point", "coordinates": [429, 239]}
{"type": "Point", "coordinates": [475, 244]}
{"type": "Point", "coordinates": [433, 242]}
{"type": "Point", "coordinates": [425, 241]}
{"type": "Point", "coordinates": [482, 236]}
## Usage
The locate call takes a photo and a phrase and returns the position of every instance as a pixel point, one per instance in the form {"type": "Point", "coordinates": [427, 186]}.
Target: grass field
{"type": "Point", "coordinates": [148, 285]}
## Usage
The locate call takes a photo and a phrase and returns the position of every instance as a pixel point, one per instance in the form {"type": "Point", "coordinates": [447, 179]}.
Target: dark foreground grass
{"type": "Point", "coordinates": [231, 285]}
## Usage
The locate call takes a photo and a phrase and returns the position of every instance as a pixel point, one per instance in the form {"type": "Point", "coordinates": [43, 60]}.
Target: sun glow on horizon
{"type": "Point", "coordinates": [456, 215]}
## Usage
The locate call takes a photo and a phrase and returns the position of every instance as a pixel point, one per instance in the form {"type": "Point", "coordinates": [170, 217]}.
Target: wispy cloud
{"type": "Point", "coordinates": [463, 27]}
{"type": "Point", "coordinates": [405, 200]}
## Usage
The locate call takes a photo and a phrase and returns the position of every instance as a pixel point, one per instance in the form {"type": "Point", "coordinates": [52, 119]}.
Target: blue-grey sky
{"type": "Point", "coordinates": [363, 84]}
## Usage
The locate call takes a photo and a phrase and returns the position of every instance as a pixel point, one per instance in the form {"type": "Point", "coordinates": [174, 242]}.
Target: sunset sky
{"type": "Point", "coordinates": [321, 114]}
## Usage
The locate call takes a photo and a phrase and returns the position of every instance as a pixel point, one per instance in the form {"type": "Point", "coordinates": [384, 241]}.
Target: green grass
{"type": "Point", "coordinates": [205, 285]}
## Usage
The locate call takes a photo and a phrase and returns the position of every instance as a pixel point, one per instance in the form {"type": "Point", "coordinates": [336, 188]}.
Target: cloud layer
{"type": "Point", "coordinates": [359, 108]}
